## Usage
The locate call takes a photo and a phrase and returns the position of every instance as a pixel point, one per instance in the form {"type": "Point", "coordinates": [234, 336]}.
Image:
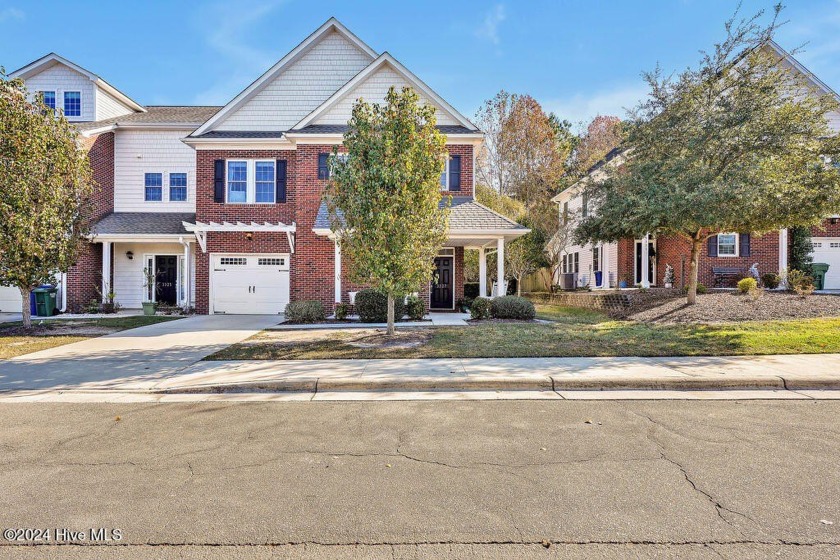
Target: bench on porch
{"type": "Point", "coordinates": [722, 274]}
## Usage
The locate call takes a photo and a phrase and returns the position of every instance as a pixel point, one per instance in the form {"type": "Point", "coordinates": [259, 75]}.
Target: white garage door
{"type": "Point", "coordinates": [9, 300]}
{"type": "Point", "coordinates": [827, 250]}
{"type": "Point", "coordinates": [253, 284]}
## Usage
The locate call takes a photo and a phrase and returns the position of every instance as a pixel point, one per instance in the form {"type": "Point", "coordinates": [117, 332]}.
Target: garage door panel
{"type": "Point", "coordinates": [10, 301]}
{"type": "Point", "coordinates": [250, 284]}
{"type": "Point", "coordinates": [827, 250]}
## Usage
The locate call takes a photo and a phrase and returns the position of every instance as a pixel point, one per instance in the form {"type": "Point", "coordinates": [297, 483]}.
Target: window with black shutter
{"type": "Point", "coordinates": [323, 166]}
{"type": "Point", "coordinates": [455, 173]}
{"type": "Point", "coordinates": [280, 178]}
{"type": "Point", "coordinates": [219, 180]}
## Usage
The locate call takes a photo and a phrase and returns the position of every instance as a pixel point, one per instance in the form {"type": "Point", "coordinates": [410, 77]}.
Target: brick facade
{"type": "Point", "coordinates": [312, 266]}
{"type": "Point", "coordinates": [826, 229]}
{"type": "Point", "coordinates": [85, 277]}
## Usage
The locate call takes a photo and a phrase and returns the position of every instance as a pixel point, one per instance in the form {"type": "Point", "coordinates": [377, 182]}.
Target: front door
{"type": "Point", "coordinates": [166, 279]}
{"type": "Point", "coordinates": [651, 262]}
{"type": "Point", "coordinates": [442, 289]}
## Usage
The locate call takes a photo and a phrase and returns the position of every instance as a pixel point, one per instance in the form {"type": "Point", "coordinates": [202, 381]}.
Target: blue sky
{"type": "Point", "coordinates": [577, 57]}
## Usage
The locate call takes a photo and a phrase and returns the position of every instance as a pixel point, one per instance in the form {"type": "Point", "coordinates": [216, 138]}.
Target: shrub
{"type": "Point", "coordinates": [480, 308]}
{"type": "Point", "coordinates": [800, 283]}
{"type": "Point", "coordinates": [512, 307]}
{"type": "Point", "coordinates": [747, 285]}
{"type": "Point", "coordinates": [770, 280]}
{"type": "Point", "coordinates": [341, 311]}
{"type": "Point", "coordinates": [305, 312]}
{"type": "Point", "coordinates": [464, 304]}
{"type": "Point", "coordinates": [415, 308]}
{"type": "Point", "coordinates": [701, 288]}
{"type": "Point", "coordinates": [372, 306]}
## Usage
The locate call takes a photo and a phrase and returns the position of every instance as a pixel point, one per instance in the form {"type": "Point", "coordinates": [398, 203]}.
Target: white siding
{"type": "Point", "coordinates": [107, 107]}
{"type": "Point", "coordinates": [609, 260]}
{"type": "Point", "coordinates": [137, 152]}
{"type": "Point", "coordinates": [373, 89]}
{"type": "Point", "coordinates": [128, 274]}
{"type": "Point", "coordinates": [60, 78]}
{"type": "Point", "coordinates": [301, 87]}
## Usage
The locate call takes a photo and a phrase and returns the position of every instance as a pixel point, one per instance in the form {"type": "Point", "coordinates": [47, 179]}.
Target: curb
{"type": "Point", "coordinates": [547, 383]}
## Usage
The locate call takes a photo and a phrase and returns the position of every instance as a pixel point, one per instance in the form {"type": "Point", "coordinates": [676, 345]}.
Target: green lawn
{"type": "Point", "coordinates": [15, 341]}
{"type": "Point", "coordinates": [571, 332]}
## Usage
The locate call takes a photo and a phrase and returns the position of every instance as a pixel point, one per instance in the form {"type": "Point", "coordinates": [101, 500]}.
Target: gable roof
{"type": "Point", "coordinates": [331, 25]}
{"type": "Point", "coordinates": [801, 68]}
{"type": "Point", "coordinates": [383, 60]}
{"type": "Point", "coordinates": [52, 59]}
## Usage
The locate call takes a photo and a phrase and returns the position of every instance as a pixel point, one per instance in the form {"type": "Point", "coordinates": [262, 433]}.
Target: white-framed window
{"type": "Point", "coordinates": [727, 244]}
{"type": "Point", "coordinates": [72, 104]}
{"type": "Point", "coordinates": [177, 187]}
{"type": "Point", "coordinates": [251, 181]}
{"type": "Point", "coordinates": [233, 261]}
{"type": "Point", "coordinates": [444, 177]}
{"type": "Point", "coordinates": [264, 188]}
{"type": "Point", "coordinates": [49, 99]}
{"type": "Point", "coordinates": [153, 183]}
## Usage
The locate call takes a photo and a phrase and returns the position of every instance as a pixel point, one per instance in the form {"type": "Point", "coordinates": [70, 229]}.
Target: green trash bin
{"type": "Point", "coordinates": [45, 299]}
{"type": "Point", "coordinates": [819, 270]}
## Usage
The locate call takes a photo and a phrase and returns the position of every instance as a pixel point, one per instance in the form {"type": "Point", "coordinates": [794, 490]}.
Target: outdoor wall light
{"type": "Point", "coordinates": [249, 236]}
{"type": "Point", "coordinates": [834, 220]}
{"type": "Point", "coordinates": [129, 255]}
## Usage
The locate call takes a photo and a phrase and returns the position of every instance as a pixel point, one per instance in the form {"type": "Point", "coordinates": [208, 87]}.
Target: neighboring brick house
{"type": "Point", "coordinates": [224, 204]}
{"type": "Point", "coordinates": [623, 263]}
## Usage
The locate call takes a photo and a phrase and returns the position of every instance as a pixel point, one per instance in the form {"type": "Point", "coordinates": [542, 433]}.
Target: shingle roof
{"type": "Point", "coordinates": [144, 223]}
{"type": "Point", "coordinates": [342, 128]}
{"type": "Point", "coordinates": [158, 114]}
{"type": "Point", "coordinates": [241, 134]}
{"type": "Point", "coordinates": [465, 214]}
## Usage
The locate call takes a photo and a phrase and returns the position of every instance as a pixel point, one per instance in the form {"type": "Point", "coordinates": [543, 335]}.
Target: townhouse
{"type": "Point", "coordinates": [631, 262]}
{"type": "Point", "coordinates": [220, 208]}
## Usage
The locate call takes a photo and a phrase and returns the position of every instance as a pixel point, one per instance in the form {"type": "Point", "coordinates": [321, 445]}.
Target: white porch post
{"type": "Point", "coordinates": [482, 272]}
{"type": "Point", "coordinates": [106, 270]}
{"type": "Point", "coordinates": [186, 279]}
{"type": "Point", "coordinates": [337, 271]}
{"type": "Point", "coordinates": [646, 261]}
{"type": "Point", "coordinates": [783, 251]}
{"type": "Point", "coordinates": [500, 266]}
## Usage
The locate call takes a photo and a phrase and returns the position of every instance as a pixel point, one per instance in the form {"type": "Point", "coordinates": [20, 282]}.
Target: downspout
{"type": "Point", "coordinates": [187, 272]}
{"type": "Point", "coordinates": [63, 281]}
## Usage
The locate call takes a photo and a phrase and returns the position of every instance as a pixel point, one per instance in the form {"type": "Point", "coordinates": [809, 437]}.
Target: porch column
{"type": "Point", "coordinates": [646, 261]}
{"type": "Point", "coordinates": [106, 270]}
{"type": "Point", "coordinates": [482, 272]}
{"type": "Point", "coordinates": [783, 251]}
{"type": "Point", "coordinates": [500, 266]}
{"type": "Point", "coordinates": [337, 271]}
{"type": "Point", "coordinates": [186, 280]}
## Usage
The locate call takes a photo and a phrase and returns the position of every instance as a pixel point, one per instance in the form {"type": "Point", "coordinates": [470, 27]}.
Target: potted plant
{"type": "Point", "coordinates": [669, 276]}
{"type": "Point", "coordinates": [149, 290]}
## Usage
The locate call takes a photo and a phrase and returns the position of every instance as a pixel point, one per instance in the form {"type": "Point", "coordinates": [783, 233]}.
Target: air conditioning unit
{"type": "Point", "coordinates": [568, 280]}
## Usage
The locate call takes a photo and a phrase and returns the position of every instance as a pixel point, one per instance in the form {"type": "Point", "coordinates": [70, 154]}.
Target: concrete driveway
{"type": "Point", "coordinates": [133, 359]}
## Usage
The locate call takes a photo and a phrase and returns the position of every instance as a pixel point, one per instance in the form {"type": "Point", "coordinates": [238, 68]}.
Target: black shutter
{"type": "Point", "coordinates": [455, 173]}
{"type": "Point", "coordinates": [219, 180]}
{"type": "Point", "coordinates": [713, 246]}
{"type": "Point", "coordinates": [323, 166]}
{"type": "Point", "coordinates": [280, 178]}
{"type": "Point", "coordinates": [745, 245]}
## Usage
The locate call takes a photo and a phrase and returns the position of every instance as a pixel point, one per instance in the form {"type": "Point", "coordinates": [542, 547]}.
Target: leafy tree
{"type": "Point", "coordinates": [383, 198]}
{"type": "Point", "coordinates": [800, 249]}
{"type": "Point", "coordinates": [736, 144]}
{"type": "Point", "coordinates": [45, 184]}
{"type": "Point", "coordinates": [602, 135]}
{"type": "Point", "coordinates": [525, 256]}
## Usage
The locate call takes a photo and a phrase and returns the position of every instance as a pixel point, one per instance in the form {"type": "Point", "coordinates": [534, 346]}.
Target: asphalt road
{"type": "Point", "coordinates": [488, 479]}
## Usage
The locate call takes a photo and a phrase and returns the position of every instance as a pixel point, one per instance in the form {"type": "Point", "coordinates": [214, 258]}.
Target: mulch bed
{"type": "Point", "coordinates": [486, 321]}
{"type": "Point", "coordinates": [54, 328]}
{"type": "Point", "coordinates": [400, 339]}
{"type": "Point", "coordinates": [732, 307]}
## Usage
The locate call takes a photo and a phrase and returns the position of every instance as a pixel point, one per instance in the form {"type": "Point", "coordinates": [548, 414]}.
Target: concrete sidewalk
{"type": "Point", "coordinates": [816, 371]}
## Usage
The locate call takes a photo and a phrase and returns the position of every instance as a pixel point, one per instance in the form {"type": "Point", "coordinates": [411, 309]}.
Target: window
{"type": "Point", "coordinates": [237, 181]}
{"type": "Point", "coordinates": [565, 266]}
{"type": "Point", "coordinates": [444, 176]}
{"type": "Point", "coordinates": [323, 166]}
{"type": "Point", "coordinates": [565, 213]}
{"type": "Point", "coordinates": [177, 187]}
{"type": "Point", "coordinates": [727, 244]}
{"type": "Point", "coordinates": [271, 262]}
{"type": "Point", "coordinates": [265, 187]}
{"type": "Point", "coordinates": [577, 262]}
{"type": "Point", "coordinates": [233, 261]}
{"type": "Point", "coordinates": [49, 99]}
{"type": "Point", "coordinates": [154, 187]}
{"type": "Point", "coordinates": [596, 259]}
{"type": "Point", "coordinates": [834, 245]}
{"type": "Point", "coordinates": [72, 104]}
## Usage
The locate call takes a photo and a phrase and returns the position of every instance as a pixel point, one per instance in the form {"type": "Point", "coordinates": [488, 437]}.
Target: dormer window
{"type": "Point", "coordinates": [72, 104]}
{"type": "Point", "coordinates": [49, 99]}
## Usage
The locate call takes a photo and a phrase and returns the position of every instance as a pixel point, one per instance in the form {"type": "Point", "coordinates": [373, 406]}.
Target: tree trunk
{"type": "Point", "coordinates": [519, 285]}
{"type": "Point", "coordinates": [27, 315]}
{"type": "Point", "coordinates": [391, 329]}
{"type": "Point", "coordinates": [693, 268]}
